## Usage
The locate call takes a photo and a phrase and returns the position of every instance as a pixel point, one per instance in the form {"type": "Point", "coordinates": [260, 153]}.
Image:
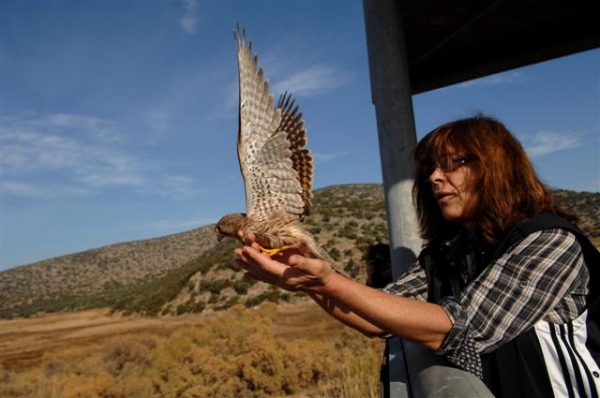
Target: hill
{"type": "Point", "coordinates": [192, 272]}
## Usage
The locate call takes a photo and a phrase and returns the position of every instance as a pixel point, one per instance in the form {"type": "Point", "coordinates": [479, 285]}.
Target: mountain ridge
{"type": "Point", "coordinates": [191, 272]}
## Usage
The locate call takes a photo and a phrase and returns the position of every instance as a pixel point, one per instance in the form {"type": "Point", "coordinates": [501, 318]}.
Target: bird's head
{"type": "Point", "coordinates": [229, 225]}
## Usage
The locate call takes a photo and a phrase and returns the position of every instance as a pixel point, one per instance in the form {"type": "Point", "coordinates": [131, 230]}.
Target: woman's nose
{"type": "Point", "coordinates": [437, 175]}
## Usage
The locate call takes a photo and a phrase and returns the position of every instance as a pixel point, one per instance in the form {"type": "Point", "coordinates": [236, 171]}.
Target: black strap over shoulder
{"type": "Point", "coordinates": [534, 224]}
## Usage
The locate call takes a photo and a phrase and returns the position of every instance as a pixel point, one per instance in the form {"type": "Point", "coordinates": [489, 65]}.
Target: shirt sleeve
{"type": "Point", "coordinates": [412, 284]}
{"type": "Point", "coordinates": [513, 293]}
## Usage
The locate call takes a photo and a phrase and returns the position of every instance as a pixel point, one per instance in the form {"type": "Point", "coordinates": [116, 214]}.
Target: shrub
{"type": "Point", "coordinates": [212, 286]}
{"type": "Point", "coordinates": [241, 287]}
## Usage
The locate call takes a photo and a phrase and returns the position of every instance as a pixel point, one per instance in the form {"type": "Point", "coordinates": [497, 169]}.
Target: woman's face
{"type": "Point", "coordinates": [450, 181]}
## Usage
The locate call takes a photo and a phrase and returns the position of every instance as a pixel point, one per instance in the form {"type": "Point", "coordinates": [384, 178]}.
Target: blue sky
{"type": "Point", "coordinates": [119, 118]}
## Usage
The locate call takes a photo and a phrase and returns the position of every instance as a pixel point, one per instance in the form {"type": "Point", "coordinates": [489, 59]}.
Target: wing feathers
{"type": "Point", "coordinates": [302, 161]}
{"type": "Point", "coordinates": [276, 167]}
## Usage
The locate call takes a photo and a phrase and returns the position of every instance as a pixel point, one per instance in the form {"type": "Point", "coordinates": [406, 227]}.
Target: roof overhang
{"type": "Point", "coordinates": [448, 42]}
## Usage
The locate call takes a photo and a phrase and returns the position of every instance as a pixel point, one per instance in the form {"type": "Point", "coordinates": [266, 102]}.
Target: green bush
{"type": "Point", "coordinates": [241, 287]}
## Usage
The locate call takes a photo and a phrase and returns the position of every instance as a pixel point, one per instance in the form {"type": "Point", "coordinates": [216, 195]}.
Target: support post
{"type": "Point", "coordinates": [391, 95]}
{"type": "Point", "coordinates": [392, 98]}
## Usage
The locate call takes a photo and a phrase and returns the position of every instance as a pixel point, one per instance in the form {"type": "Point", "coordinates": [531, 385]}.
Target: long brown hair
{"type": "Point", "coordinates": [508, 189]}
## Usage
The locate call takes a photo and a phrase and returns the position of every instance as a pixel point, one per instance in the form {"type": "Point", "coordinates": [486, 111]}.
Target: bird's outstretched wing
{"type": "Point", "coordinates": [302, 161]}
{"type": "Point", "coordinates": [276, 167]}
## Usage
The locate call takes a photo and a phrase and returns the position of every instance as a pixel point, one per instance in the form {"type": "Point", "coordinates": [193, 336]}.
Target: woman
{"type": "Point", "coordinates": [498, 312]}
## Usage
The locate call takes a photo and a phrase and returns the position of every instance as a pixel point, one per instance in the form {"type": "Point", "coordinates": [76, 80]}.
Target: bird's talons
{"type": "Point", "coordinates": [278, 251]}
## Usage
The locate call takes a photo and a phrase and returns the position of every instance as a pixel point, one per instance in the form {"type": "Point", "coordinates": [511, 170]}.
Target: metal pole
{"type": "Point", "coordinates": [392, 98]}
{"type": "Point", "coordinates": [391, 95]}
{"type": "Point", "coordinates": [429, 378]}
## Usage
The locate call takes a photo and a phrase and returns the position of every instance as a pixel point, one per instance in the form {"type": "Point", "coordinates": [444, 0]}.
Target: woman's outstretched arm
{"type": "Point", "coordinates": [366, 309]}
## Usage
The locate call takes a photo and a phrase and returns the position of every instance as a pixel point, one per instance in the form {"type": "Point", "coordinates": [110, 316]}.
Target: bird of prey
{"type": "Point", "coordinates": [276, 166]}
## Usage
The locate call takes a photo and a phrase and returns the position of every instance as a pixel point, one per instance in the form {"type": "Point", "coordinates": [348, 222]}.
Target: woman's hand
{"type": "Point", "coordinates": [291, 271]}
{"type": "Point", "coordinates": [363, 308]}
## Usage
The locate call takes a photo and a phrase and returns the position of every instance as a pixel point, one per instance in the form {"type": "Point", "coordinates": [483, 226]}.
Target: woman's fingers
{"type": "Point", "coordinates": [246, 238]}
{"type": "Point", "coordinates": [260, 265]}
{"type": "Point", "coordinates": [291, 271]}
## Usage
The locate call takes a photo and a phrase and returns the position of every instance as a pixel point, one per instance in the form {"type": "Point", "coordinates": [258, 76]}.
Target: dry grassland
{"type": "Point", "coordinates": [287, 350]}
{"type": "Point", "coordinates": [24, 343]}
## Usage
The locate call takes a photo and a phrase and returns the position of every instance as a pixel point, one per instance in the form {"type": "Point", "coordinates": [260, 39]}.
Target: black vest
{"type": "Point", "coordinates": [451, 265]}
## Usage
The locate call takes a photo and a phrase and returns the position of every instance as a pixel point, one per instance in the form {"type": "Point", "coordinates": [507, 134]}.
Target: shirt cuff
{"type": "Point", "coordinates": [459, 346]}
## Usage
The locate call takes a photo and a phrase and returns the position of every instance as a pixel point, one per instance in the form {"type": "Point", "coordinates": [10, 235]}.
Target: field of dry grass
{"type": "Point", "coordinates": [287, 350]}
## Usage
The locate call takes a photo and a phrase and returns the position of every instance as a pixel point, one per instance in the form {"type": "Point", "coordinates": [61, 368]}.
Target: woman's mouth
{"type": "Point", "coordinates": [443, 197]}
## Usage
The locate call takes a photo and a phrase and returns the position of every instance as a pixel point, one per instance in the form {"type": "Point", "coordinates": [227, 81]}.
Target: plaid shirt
{"type": "Point", "coordinates": [542, 278]}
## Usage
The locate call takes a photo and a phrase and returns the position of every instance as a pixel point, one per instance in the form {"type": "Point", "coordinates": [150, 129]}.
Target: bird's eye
{"type": "Point", "coordinates": [219, 229]}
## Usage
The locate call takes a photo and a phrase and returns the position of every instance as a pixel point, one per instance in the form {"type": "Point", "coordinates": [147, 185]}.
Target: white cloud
{"type": "Point", "coordinates": [172, 225]}
{"type": "Point", "coordinates": [300, 83]}
{"type": "Point", "coordinates": [179, 187]}
{"type": "Point", "coordinates": [49, 143]}
{"type": "Point", "coordinates": [29, 190]}
{"type": "Point", "coordinates": [189, 21]}
{"type": "Point", "coordinates": [499, 78]}
{"type": "Point", "coordinates": [25, 190]}
{"type": "Point", "coordinates": [545, 142]}
{"type": "Point", "coordinates": [328, 157]}
{"type": "Point", "coordinates": [112, 178]}
{"type": "Point", "coordinates": [61, 154]}
{"type": "Point", "coordinates": [72, 144]}
{"type": "Point", "coordinates": [312, 81]}
{"type": "Point", "coordinates": [158, 122]}
{"type": "Point", "coordinates": [227, 106]}
{"type": "Point", "coordinates": [290, 65]}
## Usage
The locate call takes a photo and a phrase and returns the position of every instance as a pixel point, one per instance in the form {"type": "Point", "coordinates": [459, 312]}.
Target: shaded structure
{"type": "Point", "coordinates": [448, 41]}
{"type": "Point", "coordinates": [419, 45]}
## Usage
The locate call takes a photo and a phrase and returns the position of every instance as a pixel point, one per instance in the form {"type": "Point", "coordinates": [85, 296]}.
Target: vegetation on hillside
{"type": "Point", "coordinates": [191, 272]}
{"type": "Point", "coordinates": [82, 279]}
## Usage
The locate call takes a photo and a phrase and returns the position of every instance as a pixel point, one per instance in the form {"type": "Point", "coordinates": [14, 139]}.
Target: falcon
{"type": "Point", "coordinates": [276, 166]}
